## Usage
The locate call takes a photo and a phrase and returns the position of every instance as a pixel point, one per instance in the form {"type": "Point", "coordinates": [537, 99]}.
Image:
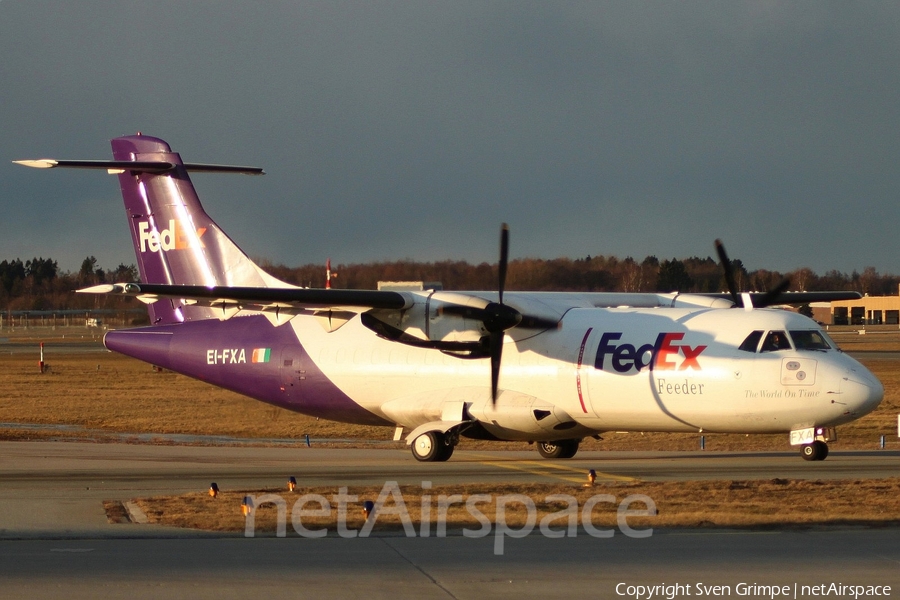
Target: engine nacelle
{"type": "Point", "coordinates": [518, 416]}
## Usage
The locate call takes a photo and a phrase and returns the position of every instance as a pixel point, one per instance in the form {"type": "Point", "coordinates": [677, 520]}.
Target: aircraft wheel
{"type": "Point", "coordinates": [446, 452]}
{"type": "Point", "coordinates": [822, 451]}
{"type": "Point", "coordinates": [558, 449]}
{"type": "Point", "coordinates": [431, 446]}
{"type": "Point", "coordinates": [816, 451]}
{"type": "Point", "coordinates": [808, 452]}
{"type": "Point", "coordinates": [571, 448]}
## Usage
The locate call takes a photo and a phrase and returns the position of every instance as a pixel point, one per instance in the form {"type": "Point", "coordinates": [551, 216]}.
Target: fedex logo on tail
{"type": "Point", "coordinates": [663, 355]}
{"type": "Point", "coordinates": [175, 237]}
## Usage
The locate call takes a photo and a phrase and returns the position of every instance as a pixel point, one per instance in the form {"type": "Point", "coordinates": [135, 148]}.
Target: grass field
{"type": "Point", "coordinates": [772, 503]}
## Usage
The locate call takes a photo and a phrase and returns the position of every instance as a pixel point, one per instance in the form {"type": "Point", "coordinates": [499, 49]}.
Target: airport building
{"type": "Point", "coordinates": [868, 310]}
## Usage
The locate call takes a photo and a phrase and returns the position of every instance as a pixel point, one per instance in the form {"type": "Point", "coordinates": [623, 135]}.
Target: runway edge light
{"type": "Point", "coordinates": [214, 490]}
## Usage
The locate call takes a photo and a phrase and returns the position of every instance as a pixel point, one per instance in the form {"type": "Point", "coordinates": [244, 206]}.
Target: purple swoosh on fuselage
{"type": "Point", "coordinates": [247, 355]}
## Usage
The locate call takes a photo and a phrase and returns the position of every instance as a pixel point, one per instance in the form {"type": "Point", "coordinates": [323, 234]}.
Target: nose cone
{"type": "Point", "coordinates": [861, 391]}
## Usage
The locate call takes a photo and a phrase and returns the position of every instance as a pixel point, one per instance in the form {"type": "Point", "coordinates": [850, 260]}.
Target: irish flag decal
{"type": "Point", "coordinates": [261, 355]}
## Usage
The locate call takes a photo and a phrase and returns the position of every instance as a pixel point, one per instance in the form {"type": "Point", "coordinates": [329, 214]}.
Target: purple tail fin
{"type": "Point", "coordinates": [175, 241]}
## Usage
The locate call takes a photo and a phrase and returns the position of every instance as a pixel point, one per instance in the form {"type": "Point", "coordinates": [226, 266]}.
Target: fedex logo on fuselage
{"type": "Point", "coordinates": [662, 355]}
{"type": "Point", "coordinates": [175, 237]}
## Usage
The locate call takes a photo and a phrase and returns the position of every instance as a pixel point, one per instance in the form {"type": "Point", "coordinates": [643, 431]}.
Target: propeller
{"type": "Point", "coordinates": [497, 317]}
{"type": "Point", "coordinates": [773, 296]}
{"type": "Point", "coordinates": [769, 298]}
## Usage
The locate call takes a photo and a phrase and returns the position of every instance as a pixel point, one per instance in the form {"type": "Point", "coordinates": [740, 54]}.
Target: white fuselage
{"type": "Point", "coordinates": [659, 369]}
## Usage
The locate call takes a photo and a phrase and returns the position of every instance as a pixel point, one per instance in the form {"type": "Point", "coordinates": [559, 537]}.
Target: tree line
{"type": "Point", "coordinates": [39, 284]}
{"type": "Point", "coordinates": [592, 274]}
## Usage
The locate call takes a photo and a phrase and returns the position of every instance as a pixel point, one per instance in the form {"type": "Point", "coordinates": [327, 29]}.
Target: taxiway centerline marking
{"type": "Point", "coordinates": [609, 476]}
{"type": "Point", "coordinates": [541, 469]}
{"type": "Point", "coordinates": [517, 467]}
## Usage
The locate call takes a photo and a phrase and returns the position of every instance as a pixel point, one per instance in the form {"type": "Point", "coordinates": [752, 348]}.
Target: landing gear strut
{"type": "Point", "coordinates": [817, 450]}
{"type": "Point", "coordinates": [558, 449]}
{"type": "Point", "coordinates": [434, 446]}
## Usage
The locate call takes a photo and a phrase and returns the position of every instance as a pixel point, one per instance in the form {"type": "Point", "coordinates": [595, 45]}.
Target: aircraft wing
{"type": "Point", "coordinates": [550, 305]}
{"type": "Point", "coordinates": [317, 300]}
{"type": "Point", "coordinates": [260, 298]}
{"type": "Point", "coordinates": [762, 299]}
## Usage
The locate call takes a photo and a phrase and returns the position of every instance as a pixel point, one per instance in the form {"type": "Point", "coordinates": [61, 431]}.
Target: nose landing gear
{"type": "Point", "coordinates": [813, 441]}
{"type": "Point", "coordinates": [817, 450]}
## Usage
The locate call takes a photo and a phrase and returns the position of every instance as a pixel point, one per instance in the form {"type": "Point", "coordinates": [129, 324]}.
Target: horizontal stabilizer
{"type": "Point", "coordinates": [120, 166]}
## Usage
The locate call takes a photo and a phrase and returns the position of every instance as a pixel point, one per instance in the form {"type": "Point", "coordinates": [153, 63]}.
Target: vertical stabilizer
{"type": "Point", "coordinates": [175, 241]}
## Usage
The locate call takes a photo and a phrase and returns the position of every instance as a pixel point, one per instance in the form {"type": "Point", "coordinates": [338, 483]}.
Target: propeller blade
{"type": "Point", "coordinates": [504, 259]}
{"type": "Point", "coordinates": [532, 322]}
{"type": "Point", "coordinates": [771, 297]}
{"type": "Point", "coordinates": [499, 317]}
{"type": "Point", "coordinates": [728, 268]}
{"type": "Point", "coordinates": [496, 349]}
{"type": "Point", "coordinates": [768, 299]}
{"type": "Point", "coordinates": [495, 316]}
{"type": "Point", "coordinates": [466, 312]}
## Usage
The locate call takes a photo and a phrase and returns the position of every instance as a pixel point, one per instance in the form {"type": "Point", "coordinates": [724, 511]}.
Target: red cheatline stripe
{"type": "Point", "coordinates": [578, 369]}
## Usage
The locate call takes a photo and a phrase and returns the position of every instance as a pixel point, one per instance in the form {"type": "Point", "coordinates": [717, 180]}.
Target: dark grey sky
{"type": "Point", "coordinates": [395, 130]}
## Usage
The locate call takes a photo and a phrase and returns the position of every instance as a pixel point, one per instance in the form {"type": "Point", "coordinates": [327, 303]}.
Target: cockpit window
{"type": "Point", "coordinates": [809, 339]}
{"type": "Point", "coordinates": [775, 340]}
{"type": "Point", "coordinates": [751, 342]}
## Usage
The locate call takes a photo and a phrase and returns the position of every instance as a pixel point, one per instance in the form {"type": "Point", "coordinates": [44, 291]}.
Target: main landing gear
{"type": "Point", "coordinates": [434, 446]}
{"type": "Point", "coordinates": [558, 449]}
{"type": "Point", "coordinates": [817, 450]}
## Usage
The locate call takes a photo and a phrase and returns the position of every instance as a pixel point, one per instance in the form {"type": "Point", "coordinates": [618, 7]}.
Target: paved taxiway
{"type": "Point", "coordinates": [55, 540]}
{"type": "Point", "coordinates": [453, 567]}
